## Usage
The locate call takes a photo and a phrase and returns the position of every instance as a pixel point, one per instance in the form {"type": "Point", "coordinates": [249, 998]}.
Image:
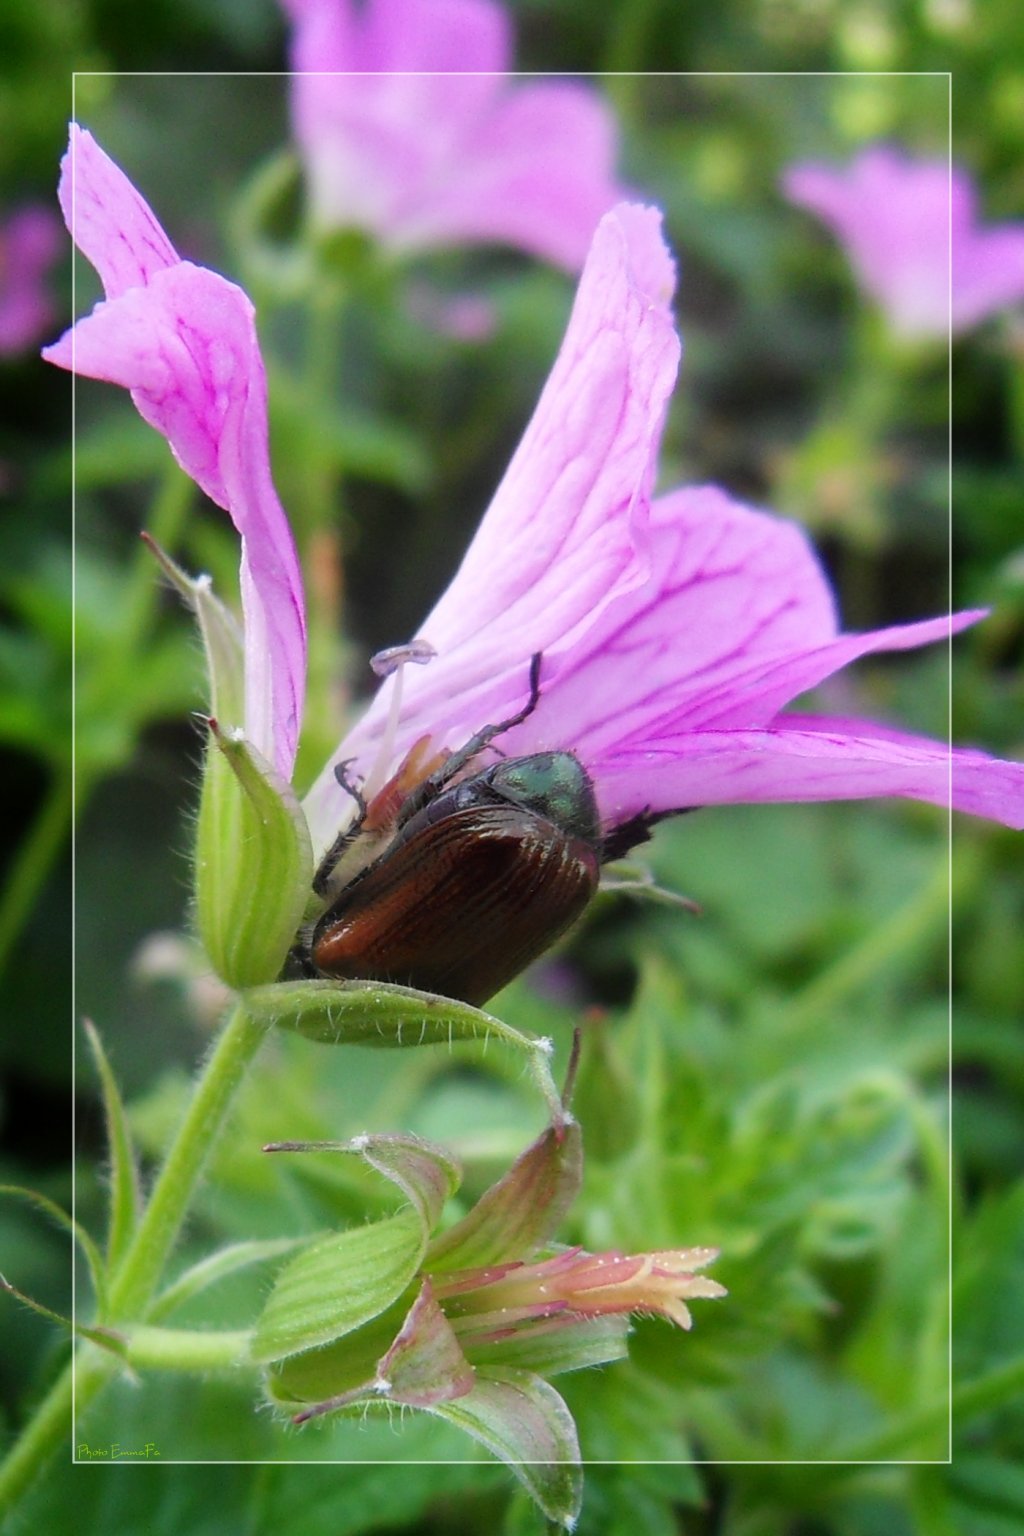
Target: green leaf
{"type": "Point", "coordinates": [93, 1257]}
{"type": "Point", "coordinates": [354, 441]}
{"type": "Point", "coordinates": [114, 450]}
{"type": "Point", "coordinates": [254, 863]}
{"type": "Point", "coordinates": [522, 1210]}
{"type": "Point", "coordinates": [344, 1367]}
{"type": "Point", "coordinates": [425, 1173]}
{"type": "Point", "coordinates": [571, 1346]}
{"type": "Point", "coordinates": [988, 1285]}
{"type": "Point", "coordinates": [414, 1361]}
{"type": "Point", "coordinates": [339, 1283]}
{"type": "Point", "coordinates": [105, 1338]}
{"type": "Point", "coordinates": [124, 1191]}
{"type": "Point", "coordinates": [352, 1499]}
{"type": "Point", "coordinates": [986, 1495]}
{"type": "Point", "coordinates": [221, 635]}
{"type": "Point", "coordinates": [380, 1014]}
{"type": "Point", "coordinates": [524, 1422]}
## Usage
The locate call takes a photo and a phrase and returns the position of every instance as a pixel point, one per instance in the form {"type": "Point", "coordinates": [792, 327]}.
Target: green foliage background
{"type": "Point", "coordinates": [773, 1077]}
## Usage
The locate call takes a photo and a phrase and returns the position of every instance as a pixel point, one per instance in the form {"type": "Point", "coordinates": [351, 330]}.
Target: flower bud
{"type": "Point", "coordinates": [254, 863]}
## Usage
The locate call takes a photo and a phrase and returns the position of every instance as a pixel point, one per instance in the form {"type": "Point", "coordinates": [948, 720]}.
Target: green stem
{"type": "Point", "coordinates": [43, 1434]}
{"type": "Point", "coordinates": [133, 1285]}
{"type": "Point", "coordinates": [34, 859]}
{"type": "Point", "coordinates": [187, 1349]}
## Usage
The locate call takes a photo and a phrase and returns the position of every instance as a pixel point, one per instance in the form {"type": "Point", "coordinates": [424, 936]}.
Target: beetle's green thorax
{"type": "Point", "coordinates": [554, 785]}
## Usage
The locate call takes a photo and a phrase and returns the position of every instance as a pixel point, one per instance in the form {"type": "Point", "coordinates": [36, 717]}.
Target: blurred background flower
{"type": "Point", "coordinates": [30, 245]}
{"type": "Point", "coordinates": [912, 231]}
{"type": "Point", "coordinates": [411, 126]}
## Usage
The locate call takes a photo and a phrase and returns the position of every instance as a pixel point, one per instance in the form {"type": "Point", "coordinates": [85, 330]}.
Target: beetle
{"type": "Point", "coordinates": [485, 870]}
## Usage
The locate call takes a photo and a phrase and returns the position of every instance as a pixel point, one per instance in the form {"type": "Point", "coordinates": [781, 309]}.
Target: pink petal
{"type": "Point", "coordinates": [459, 36]}
{"type": "Point", "coordinates": [30, 243]}
{"type": "Point", "coordinates": [756, 692]}
{"type": "Point", "coordinates": [183, 340]}
{"type": "Point", "coordinates": [988, 273]}
{"type": "Point", "coordinates": [566, 533]}
{"type": "Point", "coordinates": [410, 127]}
{"type": "Point", "coordinates": [447, 36]}
{"type": "Point", "coordinates": [113, 227]}
{"type": "Point", "coordinates": [384, 98]}
{"type": "Point", "coordinates": [730, 590]}
{"type": "Point", "coordinates": [897, 217]}
{"type": "Point", "coordinates": [539, 175]}
{"type": "Point", "coordinates": [807, 758]}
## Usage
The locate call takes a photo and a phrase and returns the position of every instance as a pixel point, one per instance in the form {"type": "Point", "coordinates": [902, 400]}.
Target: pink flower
{"type": "Point", "coordinates": [30, 244]}
{"type": "Point", "coordinates": [183, 340]}
{"type": "Point", "coordinates": [898, 218]}
{"type": "Point", "coordinates": [409, 128]}
{"type": "Point", "coordinates": [673, 633]}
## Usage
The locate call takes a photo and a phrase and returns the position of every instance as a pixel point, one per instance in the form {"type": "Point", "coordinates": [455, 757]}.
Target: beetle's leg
{"type": "Point", "coordinates": [489, 732]}
{"type": "Point", "coordinates": [344, 782]}
{"type": "Point", "coordinates": [329, 862]}
{"type": "Point", "coordinates": [299, 964]}
{"type": "Point", "coordinates": [618, 841]}
{"type": "Point", "coordinates": [454, 764]}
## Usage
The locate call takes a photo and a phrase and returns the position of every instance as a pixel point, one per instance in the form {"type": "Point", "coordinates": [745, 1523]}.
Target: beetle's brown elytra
{"type": "Point", "coordinates": [483, 873]}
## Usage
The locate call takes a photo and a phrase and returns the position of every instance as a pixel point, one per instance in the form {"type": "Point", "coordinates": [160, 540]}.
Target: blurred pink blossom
{"type": "Point", "coordinates": [898, 217]}
{"type": "Point", "coordinates": [182, 339]}
{"type": "Point", "coordinates": [410, 127]}
{"type": "Point", "coordinates": [461, 316]}
{"type": "Point", "coordinates": [30, 243]}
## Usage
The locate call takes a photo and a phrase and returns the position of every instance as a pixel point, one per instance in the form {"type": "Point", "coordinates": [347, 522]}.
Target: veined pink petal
{"type": "Point", "coordinates": [897, 217]}
{"type": "Point", "coordinates": [183, 340]}
{"type": "Point", "coordinates": [566, 534]}
{"type": "Point", "coordinates": [669, 695]}
{"type": "Point", "coordinates": [802, 757]}
{"type": "Point", "coordinates": [730, 589]}
{"type": "Point", "coordinates": [764, 686]}
{"type": "Point", "coordinates": [409, 127]}
{"type": "Point", "coordinates": [113, 226]}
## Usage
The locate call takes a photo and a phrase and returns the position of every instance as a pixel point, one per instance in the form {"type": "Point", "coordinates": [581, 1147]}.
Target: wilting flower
{"type": "Point", "coordinates": [410, 128]}
{"type": "Point", "coordinates": [496, 1300]}
{"type": "Point", "coordinates": [899, 218]}
{"type": "Point", "coordinates": [471, 1322]}
{"type": "Point", "coordinates": [182, 339]}
{"type": "Point", "coordinates": [29, 245]}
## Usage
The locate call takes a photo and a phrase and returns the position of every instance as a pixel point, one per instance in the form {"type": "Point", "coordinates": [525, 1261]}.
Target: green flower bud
{"type": "Point", "coordinates": [254, 863]}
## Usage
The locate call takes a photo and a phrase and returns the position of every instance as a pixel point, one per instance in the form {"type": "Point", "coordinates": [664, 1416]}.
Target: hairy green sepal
{"type": "Point", "coordinates": [254, 863]}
